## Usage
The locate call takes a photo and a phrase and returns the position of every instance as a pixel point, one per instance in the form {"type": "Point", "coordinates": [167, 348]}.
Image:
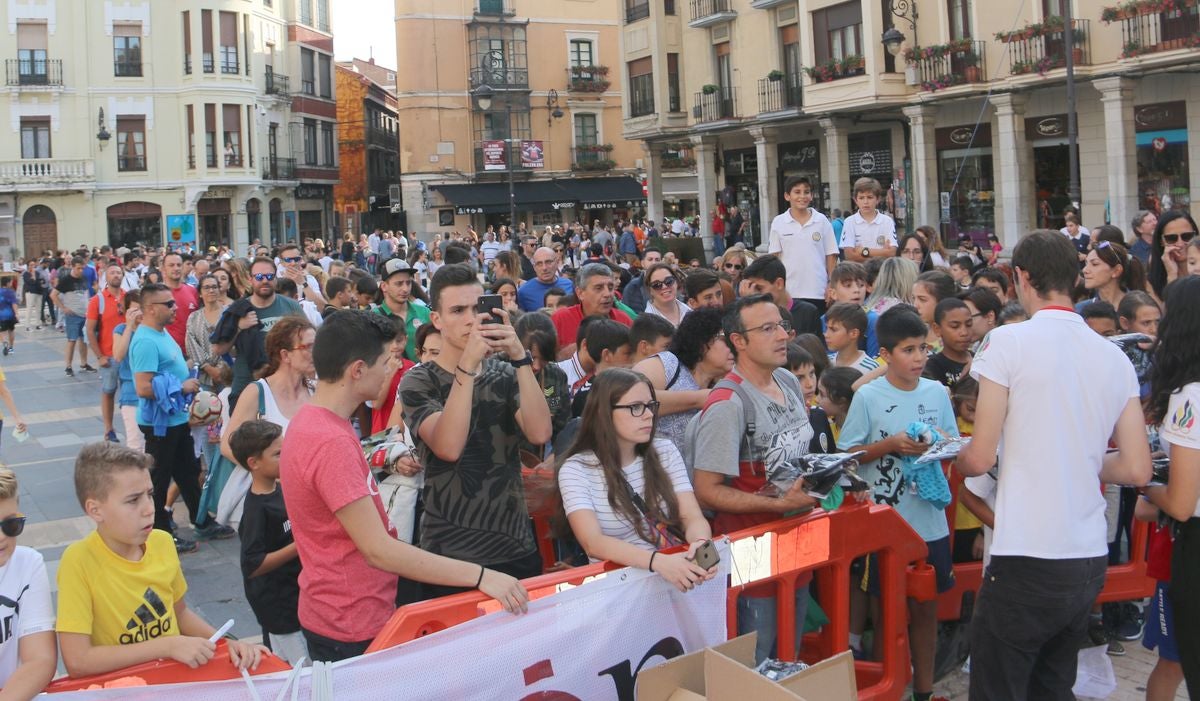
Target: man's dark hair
{"type": "Point", "coordinates": [581, 332]}
{"type": "Point", "coordinates": [552, 292]}
{"type": "Point", "coordinates": [650, 328]}
{"type": "Point", "coordinates": [697, 281]}
{"type": "Point", "coordinates": [998, 276]}
{"type": "Point", "coordinates": [851, 316]}
{"type": "Point", "coordinates": [767, 268]}
{"type": "Point", "coordinates": [946, 306]}
{"type": "Point", "coordinates": [847, 270]}
{"type": "Point", "coordinates": [336, 285]}
{"type": "Point", "coordinates": [605, 335]}
{"type": "Point", "coordinates": [153, 287]}
{"type": "Point", "coordinates": [261, 260]}
{"type": "Point", "coordinates": [795, 180]}
{"type": "Point", "coordinates": [347, 337]}
{"type": "Point", "coordinates": [536, 331]}
{"type": "Point", "coordinates": [964, 262]}
{"type": "Point", "coordinates": [450, 275]}
{"type": "Point", "coordinates": [168, 254]}
{"type": "Point", "coordinates": [129, 257]}
{"type": "Point", "coordinates": [77, 260]}
{"type": "Point", "coordinates": [252, 439]}
{"type": "Point", "coordinates": [456, 254]}
{"type": "Point", "coordinates": [1050, 260]}
{"type": "Point", "coordinates": [798, 357]}
{"type": "Point", "coordinates": [899, 324]}
{"type": "Point", "coordinates": [839, 384]}
{"type": "Point", "coordinates": [287, 287]}
{"type": "Point", "coordinates": [366, 285]}
{"type": "Point", "coordinates": [1100, 309]}
{"type": "Point", "coordinates": [984, 300]}
{"type": "Point", "coordinates": [732, 322]}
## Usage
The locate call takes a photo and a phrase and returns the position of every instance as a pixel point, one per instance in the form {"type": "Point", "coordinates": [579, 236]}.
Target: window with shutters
{"type": "Point", "coordinates": [231, 137]}
{"type": "Point", "coordinates": [210, 135]}
{"type": "Point", "coordinates": [187, 43]}
{"type": "Point", "coordinates": [310, 142]}
{"type": "Point", "coordinates": [206, 41]}
{"type": "Point", "coordinates": [32, 60]}
{"type": "Point", "coordinates": [229, 43]}
{"type": "Point", "coordinates": [959, 12]}
{"type": "Point", "coordinates": [837, 31]}
{"type": "Point", "coordinates": [641, 87]}
{"type": "Point", "coordinates": [674, 104]}
{"type": "Point", "coordinates": [131, 143]}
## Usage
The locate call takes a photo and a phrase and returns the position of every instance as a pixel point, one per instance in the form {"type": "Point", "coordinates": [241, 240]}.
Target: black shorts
{"type": "Point", "coordinates": [8, 324]}
{"type": "Point", "coordinates": [938, 558]}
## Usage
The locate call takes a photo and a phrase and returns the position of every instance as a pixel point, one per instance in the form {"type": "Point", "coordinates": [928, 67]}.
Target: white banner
{"type": "Point", "coordinates": [585, 643]}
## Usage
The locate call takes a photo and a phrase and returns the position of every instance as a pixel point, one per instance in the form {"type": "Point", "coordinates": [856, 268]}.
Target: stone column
{"type": "Point", "coordinates": [1015, 211]}
{"type": "Point", "coordinates": [923, 199]}
{"type": "Point", "coordinates": [767, 150]}
{"type": "Point", "coordinates": [654, 189]}
{"type": "Point", "coordinates": [1116, 94]}
{"type": "Point", "coordinates": [837, 165]}
{"type": "Point", "coordinates": [704, 150]}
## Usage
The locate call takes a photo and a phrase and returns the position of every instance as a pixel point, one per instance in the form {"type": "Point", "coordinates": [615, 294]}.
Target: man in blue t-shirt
{"type": "Point", "coordinates": [154, 354]}
{"type": "Point", "coordinates": [532, 294]}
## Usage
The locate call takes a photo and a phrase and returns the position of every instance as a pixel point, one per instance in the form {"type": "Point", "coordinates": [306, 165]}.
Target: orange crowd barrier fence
{"type": "Point", "coordinates": [168, 672]}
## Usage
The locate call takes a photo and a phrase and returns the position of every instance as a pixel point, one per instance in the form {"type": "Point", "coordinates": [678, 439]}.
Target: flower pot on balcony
{"type": "Point", "coordinates": [709, 89]}
{"type": "Point", "coordinates": [911, 75]}
{"type": "Point", "coordinates": [971, 74]}
{"type": "Point", "coordinates": [775, 76]}
{"type": "Point", "coordinates": [1077, 56]}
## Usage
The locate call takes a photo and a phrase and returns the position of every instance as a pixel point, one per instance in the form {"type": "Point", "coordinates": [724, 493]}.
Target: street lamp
{"type": "Point", "coordinates": [484, 98]}
{"type": "Point", "coordinates": [893, 38]}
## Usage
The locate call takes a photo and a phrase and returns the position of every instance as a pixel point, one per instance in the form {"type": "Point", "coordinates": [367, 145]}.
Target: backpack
{"type": "Point", "coordinates": [749, 417]}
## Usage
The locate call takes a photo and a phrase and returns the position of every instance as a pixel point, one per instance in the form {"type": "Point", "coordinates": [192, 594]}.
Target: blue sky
{"type": "Point", "coordinates": [361, 27]}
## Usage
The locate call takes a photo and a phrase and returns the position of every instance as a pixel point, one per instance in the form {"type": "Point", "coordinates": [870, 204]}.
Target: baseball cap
{"type": "Point", "coordinates": [396, 265]}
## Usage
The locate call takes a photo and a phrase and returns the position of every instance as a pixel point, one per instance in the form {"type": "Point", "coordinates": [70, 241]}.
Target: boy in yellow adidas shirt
{"type": "Point", "coordinates": [121, 589]}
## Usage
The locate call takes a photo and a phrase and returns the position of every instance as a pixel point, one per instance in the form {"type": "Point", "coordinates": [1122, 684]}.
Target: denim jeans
{"type": "Point", "coordinates": [758, 614]}
{"type": "Point", "coordinates": [1029, 620]}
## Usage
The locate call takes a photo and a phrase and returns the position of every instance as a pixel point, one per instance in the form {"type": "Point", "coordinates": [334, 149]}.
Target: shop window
{"type": "Point", "coordinates": [35, 137]}
{"type": "Point", "coordinates": [135, 225]}
{"type": "Point", "coordinates": [131, 143]}
{"type": "Point", "coordinates": [837, 31]}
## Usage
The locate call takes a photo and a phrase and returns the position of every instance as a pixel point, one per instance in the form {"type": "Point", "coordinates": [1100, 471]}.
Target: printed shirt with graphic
{"type": "Point", "coordinates": [943, 369]}
{"type": "Point", "coordinates": [782, 434]}
{"type": "Point", "coordinates": [117, 601]}
{"type": "Point", "coordinates": [864, 363]}
{"type": "Point", "coordinates": [25, 606]}
{"type": "Point", "coordinates": [1181, 427]}
{"type": "Point", "coordinates": [880, 410]}
{"type": "Point", "coordinates": [475, 507]}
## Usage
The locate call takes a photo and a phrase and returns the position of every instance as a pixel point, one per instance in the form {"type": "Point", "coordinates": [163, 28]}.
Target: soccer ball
{"type": "Point", "coordinates": [205, 409]}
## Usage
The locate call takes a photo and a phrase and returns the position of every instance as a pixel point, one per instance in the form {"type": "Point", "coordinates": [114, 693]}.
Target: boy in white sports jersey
{"type": "Point", "coordinates": [868, 233]}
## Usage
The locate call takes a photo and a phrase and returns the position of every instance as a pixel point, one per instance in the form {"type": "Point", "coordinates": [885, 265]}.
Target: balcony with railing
{"type": "Point", "coordinates": [128, 68]}
{"type": "Point", "coordinates": [278, 84]}
{"type": "Point", "coordinates": [836, 69]}
{"type": "Point", "coordinates": [714, 103]}
{"type": "Point", "coordinates": [946, 65]}
{"type": "Point", "coordinates": [35, 73]}
{"type": "Point", "coordinates": [376, 136]}
{"type": "Point", "coordinates": [500, 78]}
{"type": "Point", "coordinates": [278, 168]}
{"type": "Point", "coordinates": [494, 8]}
{"type": "Point", "coordinates": [677, 157]}
{"type": "Point", "coordinates": [636, 10]}
{"type": "Point", "coordinates": [779, 92]}
{"type": "Point", "coordinates": [48, 173]}
{"type": "Point", "coordinates": [592, 79]}
{"type": "Point", "coordinates": [705, 13]}
{"type": "Point", "coordinates": [592, 158]}
{"type": "Point", "coordinates": [1154, 26]}
{"type": "Point", "coordinates": [131, 163]}
{"type": "Point", "coordinates": [1040, 48]}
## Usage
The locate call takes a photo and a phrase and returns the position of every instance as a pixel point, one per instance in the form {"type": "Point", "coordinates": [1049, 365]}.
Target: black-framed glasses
{"type": "Point", "coordinates": [264, 277]}
{"type": "Point", "coordinates": [772, 327]}
{"type": "Point", "coordinates": [292, 259]}
{"type": "Point", "coordinates": [668, 281]}
{"type": "Point", "coordinates": [169, 304]}
{"type": "Point", "coordinates": [210, 288]}
{"type": "Point", "coordinates": [1185, 236]}
{"type": "Point", "coordinates": [13, 526]}
{"type": "Point", "coordinates": [638, 409]}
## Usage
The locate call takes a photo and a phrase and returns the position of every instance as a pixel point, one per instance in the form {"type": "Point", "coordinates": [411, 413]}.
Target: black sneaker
{"type": "Point", "coordinates": [1116, 649]}
{"type": "Point", "coordinates": [1129, 625]}
{"type": "Point", "coordinates": [213, 531]}
{"type": "Point", "coordinates": [88, 368]}
{"type": "Point", "coordinates": [183, 546]}
{"type": "Point", "coordinates": [70, 372]}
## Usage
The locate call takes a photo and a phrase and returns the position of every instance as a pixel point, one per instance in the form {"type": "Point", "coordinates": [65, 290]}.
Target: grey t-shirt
{"type": "Point", "coordinates": [782, 431]}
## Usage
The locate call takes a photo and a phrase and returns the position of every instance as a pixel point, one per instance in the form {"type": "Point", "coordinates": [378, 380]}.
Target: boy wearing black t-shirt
{"type": "Point", "coordinates": [270, 562]}
{"type": "Point", "coordinates": [952, 319]}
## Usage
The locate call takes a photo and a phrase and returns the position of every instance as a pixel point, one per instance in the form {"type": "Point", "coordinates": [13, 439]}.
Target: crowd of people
{"type": "Point", "coordinates": [661, 393]}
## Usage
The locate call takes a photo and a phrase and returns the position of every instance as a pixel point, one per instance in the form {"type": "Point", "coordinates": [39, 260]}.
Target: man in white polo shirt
{"type": "Point", "coordinates": [803, 239]}
{"type": "Point", "coordinates": [1051, 396]}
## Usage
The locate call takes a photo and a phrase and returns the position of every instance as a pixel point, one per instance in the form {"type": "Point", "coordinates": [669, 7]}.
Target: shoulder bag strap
{"type": "Point", "coordinates": [670, 534]}
{"type": "Point", "coordinates": [262, 397]}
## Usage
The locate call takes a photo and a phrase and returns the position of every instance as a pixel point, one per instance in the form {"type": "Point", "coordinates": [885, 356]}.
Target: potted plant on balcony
{"type": "Point", "coordinates": [852, 64]}
{"type": "Point", "coordinates": [775, 76]}
{"type": "Point", "coordinates": [970, 62]}
{"type": "Point", "coordinates": [710, 89]}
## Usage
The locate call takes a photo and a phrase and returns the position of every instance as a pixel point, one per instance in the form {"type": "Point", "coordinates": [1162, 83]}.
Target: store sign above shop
{"type": "Point", "coordinates": [1160, 116]}
{"type": "Point", "coordinates": [468, 210]}
{"type": "Point", "coordinates": [312, 192]}
{"type": "Point", "coordinates": [219, 193]}
{"type": "Point", "coordinates": [870, 162]}
{"type": "Point", "coordinates": [966, 136]}
{"type": "Point", "coordinates": [569, 204]}
{"type": "Point", "coordinates": [1049, 127]}
{"type": "Point", "coordinates": [612, 205]}
{"type": "Point", "coordinates": [801, 155]}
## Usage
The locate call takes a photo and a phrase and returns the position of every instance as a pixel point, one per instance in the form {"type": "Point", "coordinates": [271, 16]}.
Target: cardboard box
{"type": "Point", "coordinates": [725, 672]}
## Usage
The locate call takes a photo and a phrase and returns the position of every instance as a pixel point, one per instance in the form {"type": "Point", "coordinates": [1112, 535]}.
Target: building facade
{"type": "Point", "coordinates": [526, 93]}
{"type": "Point", "coordinates": [963, 124]}
{"type": "Point", "coordinates": [161, 122]}
{"type": "Point", "coordinates": [367, 197]}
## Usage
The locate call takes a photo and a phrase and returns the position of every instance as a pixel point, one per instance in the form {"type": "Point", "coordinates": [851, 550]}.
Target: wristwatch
{"type": "Point", "coordinates": [866, 252]}
{"type": "Point", "coordinates": [522, 362]}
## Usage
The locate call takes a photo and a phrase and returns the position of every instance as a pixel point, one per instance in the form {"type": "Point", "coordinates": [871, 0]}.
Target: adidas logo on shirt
{"type": "Point", "coordinates": [149, 621]}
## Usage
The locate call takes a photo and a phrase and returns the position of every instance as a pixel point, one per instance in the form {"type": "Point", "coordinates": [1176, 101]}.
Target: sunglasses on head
{"type": "Point", "coordinates": [12, 526]}
{"type": "Point", "coordinates": [668, 281]}
{"type": "Point", "coordinates": [264, 277]}
{"type": "Point", "coordinates": [1174, 238]}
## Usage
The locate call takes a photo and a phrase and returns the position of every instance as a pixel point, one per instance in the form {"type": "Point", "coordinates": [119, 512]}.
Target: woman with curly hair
{"type": "Point", "coordinates": [682, 375]}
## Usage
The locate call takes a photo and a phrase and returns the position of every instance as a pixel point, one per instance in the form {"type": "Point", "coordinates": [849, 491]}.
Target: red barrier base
{"type": "Point", "coordinates": [219, 668]}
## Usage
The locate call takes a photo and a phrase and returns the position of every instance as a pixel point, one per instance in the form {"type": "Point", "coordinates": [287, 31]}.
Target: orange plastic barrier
{"type": "Point", "coordinates": [823, 543]}
{"type": "Point", "coordinates": [1125, 582]}
{"type": "Point", "coordinates": [171, 672]}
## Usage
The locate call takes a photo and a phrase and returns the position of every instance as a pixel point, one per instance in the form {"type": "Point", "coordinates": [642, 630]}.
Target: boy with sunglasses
{"type": "Point", "coordinates": [28, 655]}
{"type": "Point", "coordinates": [244, 325]}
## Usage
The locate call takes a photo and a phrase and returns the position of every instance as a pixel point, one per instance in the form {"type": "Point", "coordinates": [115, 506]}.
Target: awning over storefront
{"type": "Point", "coordinates": [544, 196]}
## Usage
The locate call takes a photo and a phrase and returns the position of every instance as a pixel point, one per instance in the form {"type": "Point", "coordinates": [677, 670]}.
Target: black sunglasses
{"type": "Point", "coordinates": [734, 266]}
{"type": "Point", "coordinates": [1185, 237]}
{"type": "Point", "coordinates": [12, 526]}
{"type": "Point", "coordinates": [264, 277]}
{"type": "Point", "coordinates": [169, 304]}
{"type": "Point", "coordinates": [292, 259]}
{"type": "Point", "coordinates": [668, 281]}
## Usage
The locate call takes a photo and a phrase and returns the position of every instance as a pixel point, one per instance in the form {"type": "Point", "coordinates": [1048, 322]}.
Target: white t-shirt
{"type": "Point", "coordinates": [1180, 427]}
{"type": "Point", "coordinates": [1067, 386]}
{"type": "Point", "coordinates": [23, 585]}
{"type": "Point", "coordinates": [859, 233]}
{"type": "Point", "coordinates": [573, 369]}
{"type": "Point", "coordinates": [803, 249]}
{"type": "Point", "coordinates": [581, 481]}
{"type": "Point", "coordinates": [984, 487]}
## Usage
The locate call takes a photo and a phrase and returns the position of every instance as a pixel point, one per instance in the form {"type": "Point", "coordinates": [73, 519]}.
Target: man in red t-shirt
{"type": "Point", "coordinates": [595, 286]}
{"type": "Point", "coordinates": [352, 558]}
{"type": "Point", "coordinates": [99, 327]}
{"type": "Point", "coordinates": [186, 298]}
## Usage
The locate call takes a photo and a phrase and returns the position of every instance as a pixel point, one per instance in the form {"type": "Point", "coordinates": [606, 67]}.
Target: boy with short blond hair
{"type": "Point", "coordinates": [845, 325]}
{"type": "Point", "coordinates": [868, 233]}
{"type": "Point", "coordinates": [121, 589]}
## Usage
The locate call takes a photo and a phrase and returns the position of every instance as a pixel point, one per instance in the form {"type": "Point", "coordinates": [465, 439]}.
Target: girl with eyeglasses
{"type": "Point", "coordinates": [626, 494]}
{"type": "Point", "coordinates": [913, 247]}
{"type": "Point", "coordinates": [662, 286]}
{"type": "Point", "coordinates": [29, 653]}
{"type": "Point", "coordinates": [1168, 261]}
